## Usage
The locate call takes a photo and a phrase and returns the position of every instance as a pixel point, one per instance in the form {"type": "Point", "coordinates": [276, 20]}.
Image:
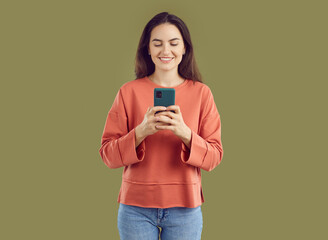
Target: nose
{"type": "Point", "coordinates": [166, 49]}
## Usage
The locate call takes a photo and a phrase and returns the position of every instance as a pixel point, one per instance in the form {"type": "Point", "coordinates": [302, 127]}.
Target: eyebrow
{"type": "Point", "coordinates": [155, 39]}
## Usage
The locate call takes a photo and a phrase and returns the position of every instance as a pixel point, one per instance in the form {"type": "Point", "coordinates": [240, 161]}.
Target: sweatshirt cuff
{"type": "Point", "coordinates": [129, 153]}
{"type": "Point", "coordinates": [197, 152]}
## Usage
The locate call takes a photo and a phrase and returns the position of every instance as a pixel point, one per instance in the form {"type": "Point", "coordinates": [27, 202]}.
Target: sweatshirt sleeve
{"type": "Point", "coordinates": [117, 142]}
{"type": "Point", "coordinates": [206, 149]}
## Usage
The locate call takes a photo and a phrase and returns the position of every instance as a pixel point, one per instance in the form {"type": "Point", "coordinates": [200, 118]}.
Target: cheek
{"type": "Point", "coordinates": [180, 52]}
{"type": "Point", "coordinates": [152, 50]}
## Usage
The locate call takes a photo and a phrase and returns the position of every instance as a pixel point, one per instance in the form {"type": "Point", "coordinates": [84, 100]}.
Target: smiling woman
{"type": "Point", "coordinates": [166, 50]}
{"type": "Point", "coordinates": [166, 36]}
{"type": "Point", "coordinates": [162, 149]}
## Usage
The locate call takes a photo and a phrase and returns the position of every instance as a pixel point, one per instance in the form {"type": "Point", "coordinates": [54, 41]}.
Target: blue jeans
{"type": "Point", "coordinates": [176, 223]}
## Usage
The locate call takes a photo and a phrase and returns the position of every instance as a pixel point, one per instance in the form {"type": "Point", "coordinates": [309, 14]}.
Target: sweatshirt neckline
{"type": "Point", "coordinates": [160, 86]}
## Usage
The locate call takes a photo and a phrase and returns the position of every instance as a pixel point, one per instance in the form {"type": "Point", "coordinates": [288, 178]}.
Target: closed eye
{"type": "Point", "coordinates": [161, 45]}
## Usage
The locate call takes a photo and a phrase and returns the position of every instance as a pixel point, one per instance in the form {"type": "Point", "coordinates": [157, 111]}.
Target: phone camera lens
{"type": "Point", "coordinates": [159, 94]}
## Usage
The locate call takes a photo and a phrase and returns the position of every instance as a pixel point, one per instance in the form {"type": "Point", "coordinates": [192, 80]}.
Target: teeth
{"type": "Point", "coordinates": [165, 59]}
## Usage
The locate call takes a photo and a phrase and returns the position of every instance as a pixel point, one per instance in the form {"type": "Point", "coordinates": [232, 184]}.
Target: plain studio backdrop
{"type": "Point", "coordinates": [62, 62]}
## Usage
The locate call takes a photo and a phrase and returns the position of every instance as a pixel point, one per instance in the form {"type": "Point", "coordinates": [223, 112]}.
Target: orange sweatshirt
{"type": "Point", "coordinates": [162, 172]}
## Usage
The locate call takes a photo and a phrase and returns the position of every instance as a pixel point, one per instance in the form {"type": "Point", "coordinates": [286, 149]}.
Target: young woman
{"type": "Point", "coordinates": [162, 149]}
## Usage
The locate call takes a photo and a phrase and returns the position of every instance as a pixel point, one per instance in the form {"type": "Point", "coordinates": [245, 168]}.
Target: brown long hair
{"type": "Point", "coordinates": [144, 65]}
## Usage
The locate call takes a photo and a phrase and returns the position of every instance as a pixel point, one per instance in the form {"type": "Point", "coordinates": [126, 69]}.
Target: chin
{"type": "Point", "coordinates": [168, 68]}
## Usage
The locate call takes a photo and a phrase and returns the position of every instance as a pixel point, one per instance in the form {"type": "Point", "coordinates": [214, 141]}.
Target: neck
{"type": "Point", "coordinates": [166, 79]}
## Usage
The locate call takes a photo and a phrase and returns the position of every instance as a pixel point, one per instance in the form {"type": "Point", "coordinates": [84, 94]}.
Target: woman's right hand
{"type": "Point", "coordinates": [148, 125]}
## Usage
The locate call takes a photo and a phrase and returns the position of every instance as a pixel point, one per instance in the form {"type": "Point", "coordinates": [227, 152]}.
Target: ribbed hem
{"type": "Point", "coordinates": [161, 195]}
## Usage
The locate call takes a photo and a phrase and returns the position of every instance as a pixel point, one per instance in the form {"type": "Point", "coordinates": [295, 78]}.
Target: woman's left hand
{"type": "Point", "coordinates": [174, 122]}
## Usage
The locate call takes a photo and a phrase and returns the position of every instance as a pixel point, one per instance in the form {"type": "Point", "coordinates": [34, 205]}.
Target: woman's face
{"type": "Point", "coordinates": [166, 47]}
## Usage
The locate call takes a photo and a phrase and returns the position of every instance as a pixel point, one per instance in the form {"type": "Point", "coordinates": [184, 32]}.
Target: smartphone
{"type": "Point", "coordinates": [164, 97]}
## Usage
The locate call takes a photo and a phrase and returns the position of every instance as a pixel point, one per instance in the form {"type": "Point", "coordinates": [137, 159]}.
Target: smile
{"type": "Point", "coordinates": [166, 60]}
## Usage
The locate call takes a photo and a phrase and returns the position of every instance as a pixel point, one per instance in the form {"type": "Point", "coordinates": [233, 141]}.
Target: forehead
{"type": "Point", "coordinates": [165, 32]}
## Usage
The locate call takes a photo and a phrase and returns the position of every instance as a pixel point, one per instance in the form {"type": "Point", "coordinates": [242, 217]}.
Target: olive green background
{"type": "Point", "coordinates": [62, 63]}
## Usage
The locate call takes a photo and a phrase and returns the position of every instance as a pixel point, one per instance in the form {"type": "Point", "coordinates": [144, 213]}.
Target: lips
{"type": "Point", "coordinates": [166, 59]}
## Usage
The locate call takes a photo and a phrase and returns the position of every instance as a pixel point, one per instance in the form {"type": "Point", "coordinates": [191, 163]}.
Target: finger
{"type": "Point", "coordinates": [175, 108]}
{"type": "Point", "coordinates": [164, 119]}
{"type": "Point", "coordinates": [167, 114]}
{"type": "Point", "coordinates": [157, 108]}
{"type": "Point", "coordinates": [162, 124]}
{"type": "Point", "coordinates": [164, 127]}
